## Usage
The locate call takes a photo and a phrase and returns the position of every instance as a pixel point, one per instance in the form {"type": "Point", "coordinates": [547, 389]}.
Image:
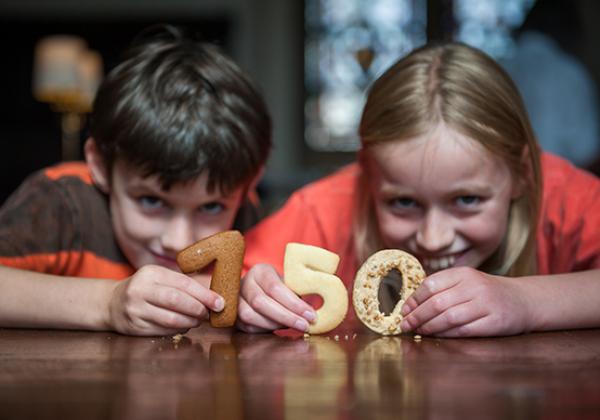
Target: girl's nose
{"type": "Point", "coordinates": [436, 233]}
{"type": "Point", "coordinates": [178, 233]}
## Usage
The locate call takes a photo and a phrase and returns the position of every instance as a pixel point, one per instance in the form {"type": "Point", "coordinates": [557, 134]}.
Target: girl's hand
{"type": "Point", "coordinates": [464, 302]}
{"type": "Point", "coordinates": [160, 301]}
{"type": "Point", "coordinates": [267, 304]}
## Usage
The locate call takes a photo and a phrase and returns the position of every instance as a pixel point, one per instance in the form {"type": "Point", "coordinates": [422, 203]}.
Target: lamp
{"type": "Point", "coordinates": [66, 75]}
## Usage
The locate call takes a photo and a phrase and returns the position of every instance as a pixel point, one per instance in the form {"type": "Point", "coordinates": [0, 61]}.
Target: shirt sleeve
{"type": "Point", "coordinates": [36, 227]}
{"type": "Point", "coordinates": [570, 228]}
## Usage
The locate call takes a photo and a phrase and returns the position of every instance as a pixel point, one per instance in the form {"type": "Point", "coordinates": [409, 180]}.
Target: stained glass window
{"type": "Point", "coordinates": [348, 44]}
{"type": "Point", "coordinates": [487, 24]}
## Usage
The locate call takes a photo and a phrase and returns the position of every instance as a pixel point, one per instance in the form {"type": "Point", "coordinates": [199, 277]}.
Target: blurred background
{"type": "Point", "coordinates": [313, 60]}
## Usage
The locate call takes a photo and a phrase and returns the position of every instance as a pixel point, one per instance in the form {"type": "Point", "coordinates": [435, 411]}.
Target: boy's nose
{"type": "Point", "coordinates": [436, 232]}
{"type": "Point", "coordinates": [178, 234]}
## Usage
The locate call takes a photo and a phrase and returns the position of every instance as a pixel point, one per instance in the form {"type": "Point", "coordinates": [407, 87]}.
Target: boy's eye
{"type": "Point", "coordinates": [468, 200]}
{"type": "Point", "coordinates": [150, 202]}
{"type": "Point", "coordinates": [212, 208]}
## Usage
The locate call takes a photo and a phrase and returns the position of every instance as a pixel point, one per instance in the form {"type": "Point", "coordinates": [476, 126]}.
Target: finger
{"type": "Point", "coordinates": [167, 319]}
{"type": "Point", "coordinates": [452, 319]}
{"type": "Point", "coordinates": [431, 286]}
{"type": "Point", "coordinates": [193, 288]}
{"type": "Point", "coordinates": [176, 300]}
{"type": "Point", "coordinates": [432, 308]}
{"type": "Point", "coordinates": [252, 321]}
{"type": "Point", "coordinates": [263, 304]}
{"type": "Point", "coordinates": [268, 280]}
{"type": "Point", "coordinates": [476, 328]}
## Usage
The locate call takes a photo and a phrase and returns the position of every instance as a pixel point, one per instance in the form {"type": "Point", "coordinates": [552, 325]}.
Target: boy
{"type": "Point", "coordinates": [178, 139]}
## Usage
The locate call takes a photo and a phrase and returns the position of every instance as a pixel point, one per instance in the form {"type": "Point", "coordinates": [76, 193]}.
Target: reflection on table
{"type": "Point", "coordinates": [352, 373]}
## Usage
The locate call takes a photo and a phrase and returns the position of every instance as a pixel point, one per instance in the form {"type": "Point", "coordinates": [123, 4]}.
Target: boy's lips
{"type": "Point", "coordinates": [164, 260]}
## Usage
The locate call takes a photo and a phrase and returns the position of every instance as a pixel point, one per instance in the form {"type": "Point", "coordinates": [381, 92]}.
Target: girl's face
{"type": "Point", "coordinates": [441, 196]}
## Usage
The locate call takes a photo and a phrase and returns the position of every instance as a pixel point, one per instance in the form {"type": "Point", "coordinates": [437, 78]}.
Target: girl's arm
{"type": "Point", "coordinates": [462, 302]}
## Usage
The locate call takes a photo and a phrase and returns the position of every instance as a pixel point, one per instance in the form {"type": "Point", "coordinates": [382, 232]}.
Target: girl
{"type": "Point", "coordinates": [449, 171]}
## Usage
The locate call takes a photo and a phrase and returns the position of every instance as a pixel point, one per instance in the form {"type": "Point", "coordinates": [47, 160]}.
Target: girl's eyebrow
{"type": "Point", "coordinates": [471, 189]}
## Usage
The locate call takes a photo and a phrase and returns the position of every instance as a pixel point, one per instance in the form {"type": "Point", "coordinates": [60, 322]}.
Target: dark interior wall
{"type": "Point", "coordinates": [265, 37]}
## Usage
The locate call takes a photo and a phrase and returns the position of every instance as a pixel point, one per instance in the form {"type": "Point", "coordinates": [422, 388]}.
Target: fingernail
{"type": "Point", "coordinates": [405, 310]}
{"type": "Point", "coordinates": [310, 316]}
{"type": "Point", "coordinates": [219, 304]}
{"type": "Point", "coordinates": [301, 325]}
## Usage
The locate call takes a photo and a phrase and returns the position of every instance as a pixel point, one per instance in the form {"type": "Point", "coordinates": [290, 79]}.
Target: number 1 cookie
{"type": "Point", "coordinates": [227, 250]}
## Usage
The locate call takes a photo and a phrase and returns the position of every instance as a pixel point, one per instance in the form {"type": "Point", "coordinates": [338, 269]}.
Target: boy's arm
{"type": "Point", "coordinates": [37, 300]}
{"type": "Point", "coordinates": [464, 302]}
{"type": "Point", "coordinates": [154, 301]}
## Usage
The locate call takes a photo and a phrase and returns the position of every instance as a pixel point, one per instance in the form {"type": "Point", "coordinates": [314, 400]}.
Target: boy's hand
{"type": "Point", "coordinates": [267, 304]}
{"type": "Point", "coordinates": [160, 301]}
{"type": "Point", "coordinates": [463, 302]}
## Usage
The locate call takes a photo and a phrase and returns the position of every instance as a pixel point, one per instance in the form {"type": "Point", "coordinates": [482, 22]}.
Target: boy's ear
{"type": "Point", "coordinates": [96, 165]}
{"type": "Point", "coordinates": [520, 185]}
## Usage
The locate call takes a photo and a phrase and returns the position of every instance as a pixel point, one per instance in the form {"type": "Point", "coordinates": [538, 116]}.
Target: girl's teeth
{"type": "Point", "coordinates": [435, 264]}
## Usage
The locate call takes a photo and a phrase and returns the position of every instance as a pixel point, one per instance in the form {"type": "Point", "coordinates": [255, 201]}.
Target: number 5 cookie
{"type": "Point", "coordinates": [309, 269]}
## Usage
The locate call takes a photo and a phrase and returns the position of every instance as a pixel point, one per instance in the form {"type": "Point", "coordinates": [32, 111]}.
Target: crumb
{"type": "Point", "coordinates": [354, 336]}
{"type": "Point", "coordinates": [177, 338]}
{"type": "Point", "coordinates": [306, 335]}
{"type": "Point", "coordinates": [417, 337]}
{"type": "Point", "coordinates": [336, 337]}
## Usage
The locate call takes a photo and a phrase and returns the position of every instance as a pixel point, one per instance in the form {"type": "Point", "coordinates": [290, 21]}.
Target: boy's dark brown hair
{"type": "Point", "coordinates": [176, 107]}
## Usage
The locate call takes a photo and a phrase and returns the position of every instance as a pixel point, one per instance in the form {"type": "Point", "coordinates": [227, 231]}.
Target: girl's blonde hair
{"type": "Point", "coordinates": [468, 91]}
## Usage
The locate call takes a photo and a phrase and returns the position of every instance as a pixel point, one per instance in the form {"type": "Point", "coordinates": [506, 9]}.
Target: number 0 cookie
{"type": "Point", "coordinates": [366, 288]}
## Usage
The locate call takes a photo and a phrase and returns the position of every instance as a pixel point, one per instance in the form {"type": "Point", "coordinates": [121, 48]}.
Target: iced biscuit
{"type": "Point", "coordinates": [227, 250]}
{"type": "Point", "coordinates": [366, 288]}
{"type": "Point", "coordinates": [309, 269]}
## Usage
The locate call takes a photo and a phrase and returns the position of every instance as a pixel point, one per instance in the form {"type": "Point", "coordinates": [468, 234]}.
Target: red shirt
{"type": "Point", "coordinates": [321, 214]}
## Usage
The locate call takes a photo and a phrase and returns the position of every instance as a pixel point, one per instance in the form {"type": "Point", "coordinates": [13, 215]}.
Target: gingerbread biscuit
{"type": "Point", "coordinates": [227, 250]}
{"type": "Point", "coordinates": [368, 280]}
{"type": "Point", "coordinates": [309, 269]}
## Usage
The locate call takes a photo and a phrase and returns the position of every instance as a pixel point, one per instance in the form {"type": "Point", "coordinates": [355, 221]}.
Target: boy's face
{"type": "Point", "coordinates": [152, 225]}
{"type": "Point", "coordinates": [441, 197]}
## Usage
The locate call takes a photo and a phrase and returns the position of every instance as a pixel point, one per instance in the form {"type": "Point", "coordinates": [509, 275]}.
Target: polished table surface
{"type": "Point", "coordinates": [224, 374]}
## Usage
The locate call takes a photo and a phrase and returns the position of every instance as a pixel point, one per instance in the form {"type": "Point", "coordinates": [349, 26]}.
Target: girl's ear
{"type": "Point", "coordinates": [96, 165]}
{"type": "Point", "coordinates": [520, 185]}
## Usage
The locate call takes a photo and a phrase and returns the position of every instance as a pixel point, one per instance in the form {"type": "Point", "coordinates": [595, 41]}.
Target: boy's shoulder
{"type": "Point", "coordinates": [79, 170]}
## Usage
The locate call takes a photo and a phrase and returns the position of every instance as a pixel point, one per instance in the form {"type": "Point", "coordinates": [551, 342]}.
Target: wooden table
{"type": "Point", "coordinates": [222, 374]}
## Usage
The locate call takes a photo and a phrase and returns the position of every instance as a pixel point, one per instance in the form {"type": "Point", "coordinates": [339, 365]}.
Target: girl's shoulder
{"type": "Point", "coordinates": [342, 182]}
{"type": "Point", "coordinates": [559, 173]}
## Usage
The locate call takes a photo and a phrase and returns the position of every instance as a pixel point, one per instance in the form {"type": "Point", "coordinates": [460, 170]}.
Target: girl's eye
{"type": "Point", "coordinates": [149, 202]}
{"type": "Point", "coordinates": [212, 208]}
{"type": "Point", "coordinates": [468, 200]}
{"type": "Point", "coordinates": [403, 203]}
